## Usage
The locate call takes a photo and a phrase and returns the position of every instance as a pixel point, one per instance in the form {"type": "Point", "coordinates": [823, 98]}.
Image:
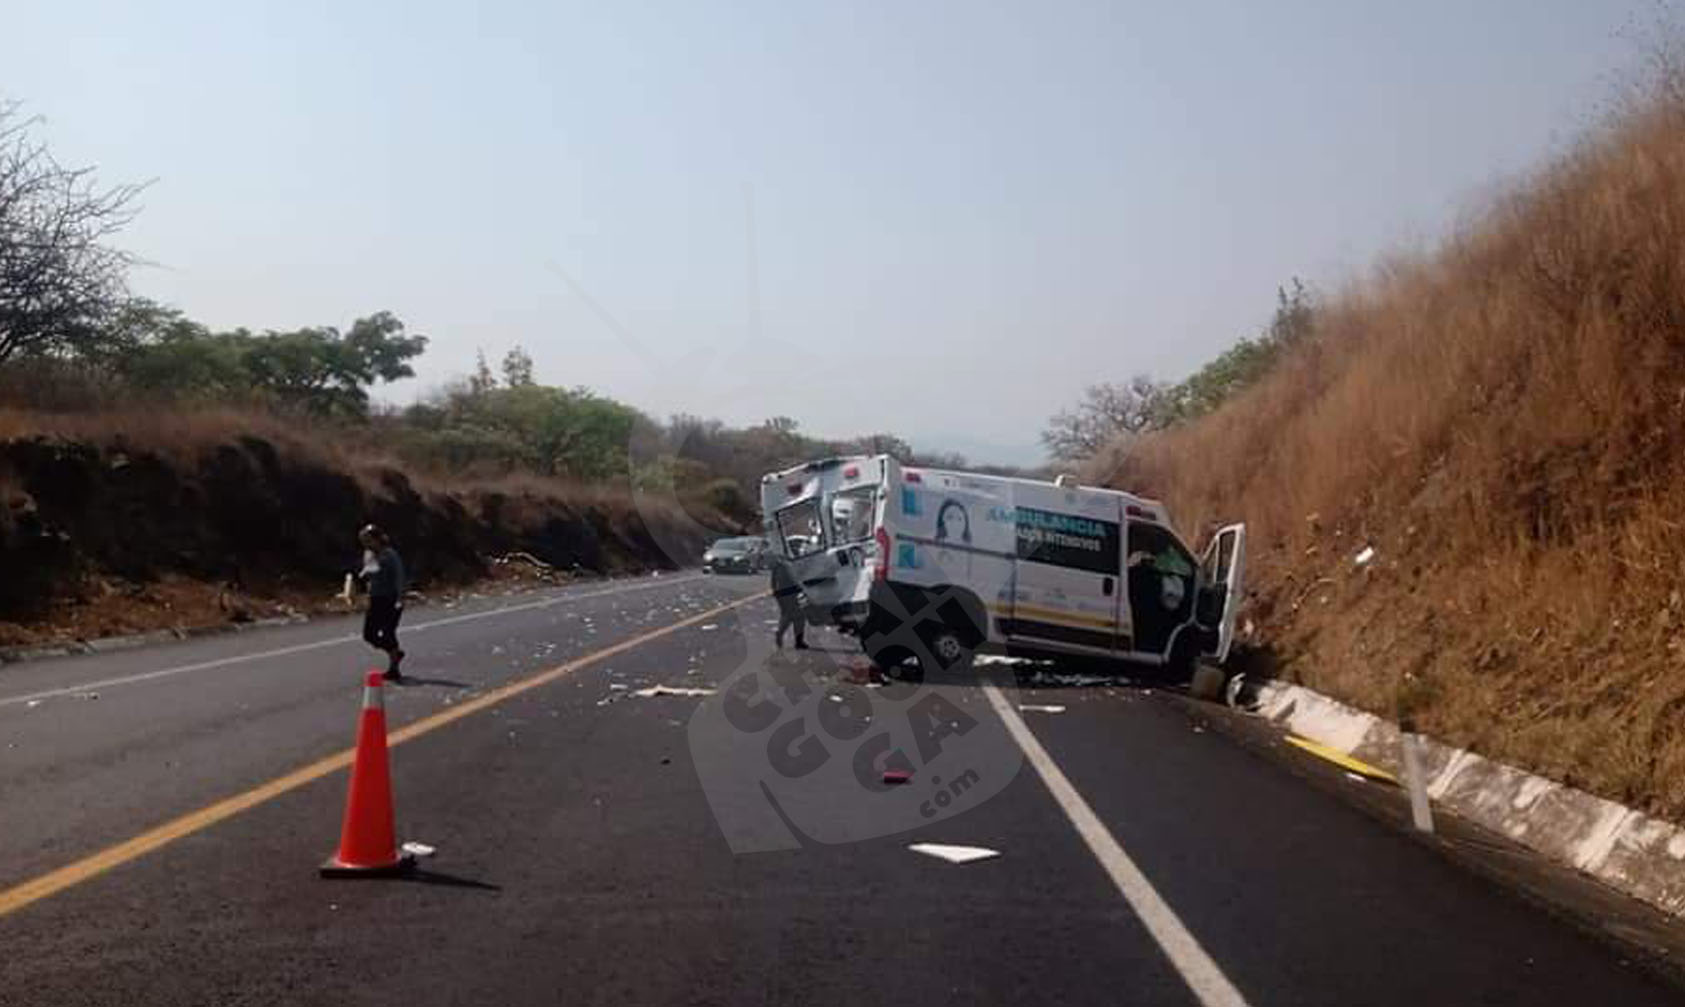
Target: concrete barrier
{"type": "Point", "coordinates": [1624, 848]}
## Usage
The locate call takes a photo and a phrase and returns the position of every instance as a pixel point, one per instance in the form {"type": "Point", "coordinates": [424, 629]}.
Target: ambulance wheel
{"type": "Point", "coordinates": [892, 661]}
{"type": "Point", "coordinates": [1184, 658]}
{"type": "Point", "coordinates": [947, 647]}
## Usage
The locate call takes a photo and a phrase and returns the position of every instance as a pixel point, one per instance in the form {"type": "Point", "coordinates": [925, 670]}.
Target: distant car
{"type": "Point", "coordinates": [735, 555]}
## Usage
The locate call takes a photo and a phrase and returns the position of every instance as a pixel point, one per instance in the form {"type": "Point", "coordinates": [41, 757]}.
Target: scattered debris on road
{"type": "Point", "coordinates": [954, 854]}
{"type": "Point", "coordinates": [1232, 692]}
{"type": "Point", "coordinates": [1044, 679]}
{"type": "Point", "coordinates": [535, 566]}
{"type": "Point", "coordinates": [1040, 708]}
{"type": "Point", "coordinates": [670, 690]}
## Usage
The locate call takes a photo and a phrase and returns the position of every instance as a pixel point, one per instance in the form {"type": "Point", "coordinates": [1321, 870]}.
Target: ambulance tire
{"type": "Point", "coordinates": [892, 661]}
{"type": "Point", "coordinates": [1184, 658]}
{"type": "Point", "coordinates": [947, 646]}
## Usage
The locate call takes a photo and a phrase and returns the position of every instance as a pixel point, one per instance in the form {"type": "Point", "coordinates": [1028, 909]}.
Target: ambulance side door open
{"type": "Point", "coordinates": [1067, 587]}
{"type": "Point", "coordinates": [1219, 600]}
{"type": "Point", "coordinates": [1162, 578]}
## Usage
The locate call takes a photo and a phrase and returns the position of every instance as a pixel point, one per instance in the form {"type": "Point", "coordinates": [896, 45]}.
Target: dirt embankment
{"type": "Point", "coordinates": [108, 535]}
{"type": "Point", "coordinates": [1504, 422]}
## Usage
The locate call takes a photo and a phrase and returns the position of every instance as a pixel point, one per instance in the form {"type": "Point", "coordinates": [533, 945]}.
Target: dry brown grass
{"type": "Point", "coordinates": [1502, 420]}
{"type": "Point", "coordinates": [177, 432]}
{"type": "Point", "coordinates": [182, 433]}
{"type": "Point", "coordinates": [138, 534]}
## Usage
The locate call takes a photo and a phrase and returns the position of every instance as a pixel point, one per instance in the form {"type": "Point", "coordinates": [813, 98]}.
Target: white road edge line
{"type": "Point", "coordinates": [335, 641]}
{"type": "Point", "coordinates": [1197, 968]}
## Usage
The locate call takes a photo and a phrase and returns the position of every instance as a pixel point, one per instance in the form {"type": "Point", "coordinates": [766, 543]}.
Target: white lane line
{"type": "Point", "coordinates": [336, 641]}
{"type": "Point", "coordinates": [1203, 976]}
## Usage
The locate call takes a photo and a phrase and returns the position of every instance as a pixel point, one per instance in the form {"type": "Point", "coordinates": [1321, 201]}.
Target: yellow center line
{"type": "Point", "coordinates": [72, 874]}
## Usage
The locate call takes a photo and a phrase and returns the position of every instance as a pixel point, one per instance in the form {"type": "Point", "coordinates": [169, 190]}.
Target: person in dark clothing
{"type": "Point", "coordinates": [788, 594]}
{"type": "Point", "coordinates": [383, 578]}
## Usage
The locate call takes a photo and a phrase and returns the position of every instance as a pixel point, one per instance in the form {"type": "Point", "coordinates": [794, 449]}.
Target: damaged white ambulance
{"type": "Point", "coordinates": [937, 566]}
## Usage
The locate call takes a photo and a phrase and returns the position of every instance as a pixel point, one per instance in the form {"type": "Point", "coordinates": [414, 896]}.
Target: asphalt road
{"type": "Point", "coordinates": [600, 842]}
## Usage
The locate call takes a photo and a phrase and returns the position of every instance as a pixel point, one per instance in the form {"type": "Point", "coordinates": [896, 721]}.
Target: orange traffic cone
{"type": "Point", "coordinates": [368, 845]}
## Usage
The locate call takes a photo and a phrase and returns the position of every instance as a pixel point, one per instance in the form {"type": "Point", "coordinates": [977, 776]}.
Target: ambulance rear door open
{"type": "Point", "coordinates": [824, 526]}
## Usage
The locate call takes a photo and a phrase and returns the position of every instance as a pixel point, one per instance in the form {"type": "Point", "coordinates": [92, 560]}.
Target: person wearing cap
{"type": "Point", "coordinates": [383, 577]}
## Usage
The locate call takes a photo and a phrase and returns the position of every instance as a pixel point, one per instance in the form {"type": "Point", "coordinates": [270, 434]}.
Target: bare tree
{"type": "Point", "coordinates": [60, 282]}
{"type": "Point", "coordinates": [1107, 411]}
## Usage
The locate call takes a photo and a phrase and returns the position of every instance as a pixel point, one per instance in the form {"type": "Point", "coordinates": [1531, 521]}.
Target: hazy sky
{"type": "Point", "coordinates": [963, 212]}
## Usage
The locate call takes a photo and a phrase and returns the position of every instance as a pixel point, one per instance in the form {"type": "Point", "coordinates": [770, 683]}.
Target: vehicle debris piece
{"type": "Point", "coordinates": [1341, 759]}
{"type": "Point", "coordinates": [670, 690]}
{"type": "Point", "coordinates": [954, 854]}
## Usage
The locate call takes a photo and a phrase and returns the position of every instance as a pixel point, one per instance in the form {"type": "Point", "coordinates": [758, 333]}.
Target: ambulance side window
{"type": "Point", "coordinates": [1154, 548]}
{"type": "Point", "coordinates": [851, 515]}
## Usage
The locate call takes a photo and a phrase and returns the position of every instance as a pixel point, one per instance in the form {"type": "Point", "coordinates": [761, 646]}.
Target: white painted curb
{"type": "Point", "coordinates": [1626, 849]}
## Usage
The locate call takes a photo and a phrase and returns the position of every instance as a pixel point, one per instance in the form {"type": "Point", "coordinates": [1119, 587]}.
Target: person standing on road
{"type": "Point", "coordinates": [383, 577]}
{"type": "Point", "coordinates": [788, 594]}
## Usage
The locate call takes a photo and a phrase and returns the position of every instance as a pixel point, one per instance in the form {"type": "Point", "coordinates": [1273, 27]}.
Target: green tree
{"type": "Point", "coordinates": [1295, 316]}
{"type": "Point", "coordinates": [186, 360]}
{"type": "Point", "coordinates": [482, 381]}
{"type": "Point", "coordinates": [883, 444]}
{"type": "Point", "coordinates": [160, 350]}
{"type": "Point", "coordinates": [327, 372]}
{"type": "Point", "coordinates": [1108, 411]}
{"type": "Point", "coordinates": [517, 368]}
{"type": "Point", "coordinates": [1241, 365]}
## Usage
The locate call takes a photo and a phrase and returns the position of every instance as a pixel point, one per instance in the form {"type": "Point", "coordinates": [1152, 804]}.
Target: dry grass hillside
{"type": "Point", "coordinates": [1504, 421]}
{"type": "Point", "coordinates": [114, 520]}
